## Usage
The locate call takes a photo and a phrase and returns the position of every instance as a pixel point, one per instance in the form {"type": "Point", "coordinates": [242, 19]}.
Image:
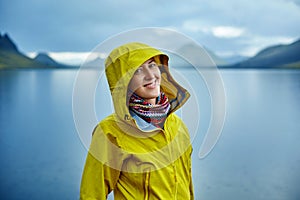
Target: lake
{"type": "Point", "coordinates": [256, 157]}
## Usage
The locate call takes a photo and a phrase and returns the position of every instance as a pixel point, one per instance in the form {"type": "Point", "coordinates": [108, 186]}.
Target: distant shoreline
{"type": "Point", "coordinates": [176, 68]}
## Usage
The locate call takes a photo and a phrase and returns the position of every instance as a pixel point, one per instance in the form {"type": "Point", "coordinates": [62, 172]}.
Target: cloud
{"type": "Point", "coordinates": [194, 26]}
{"type": "Point", "coordinates": [76, 25]}
{"type": "Point", "coordinates": [217, 31]}
{"type": "Point", "coordinates": [243, 27]}
{"type": "Point", "coordinates": [72, 58]}
{"type": "Point", "coordinates": [227, 31]}
{"type": "Point", "coordinates": [297, 2]}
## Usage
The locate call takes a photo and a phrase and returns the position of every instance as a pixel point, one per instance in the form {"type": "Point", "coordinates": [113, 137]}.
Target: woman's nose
{"type": "Point", "coordinates": [149, 74]}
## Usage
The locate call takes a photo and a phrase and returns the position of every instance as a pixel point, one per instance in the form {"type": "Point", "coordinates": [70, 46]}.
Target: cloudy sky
{"type": "Point", "coordinates": [228, 27]}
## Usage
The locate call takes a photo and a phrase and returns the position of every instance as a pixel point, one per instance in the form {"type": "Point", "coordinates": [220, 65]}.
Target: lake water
{"type": "Point", "coordinates": [256, 157]}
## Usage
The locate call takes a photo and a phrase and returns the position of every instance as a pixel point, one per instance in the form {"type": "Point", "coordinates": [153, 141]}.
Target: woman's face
{"type": "Point", "coordinates": [146, 81]}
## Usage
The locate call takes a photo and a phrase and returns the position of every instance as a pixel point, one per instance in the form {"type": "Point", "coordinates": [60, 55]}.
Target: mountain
{"type": "Point", "coordinates": [218, 60]}
{"type": "Point", "coordinates": [279, 56]}
{"type": "Point", "coordinates": [97, 63]}
{"type": "Point", "coordinates": [46, 60]}
{"type": "Point", "coordinates": [230, 60]}
{"type": "Point", "coordinates": [11, 57]}
{"type": "Point", "coordinates": [7, 44]}
{"type": "Point", "coordinates": [205, 52]}
{"type": "Point", "coordinates": [201, 57]}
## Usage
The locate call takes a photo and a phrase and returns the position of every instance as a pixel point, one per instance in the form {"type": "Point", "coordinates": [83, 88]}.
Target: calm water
{"type": "Point", "coordinates": [257, 156]}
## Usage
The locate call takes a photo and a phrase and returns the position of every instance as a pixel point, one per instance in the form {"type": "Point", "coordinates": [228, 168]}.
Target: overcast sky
{"type": "Point", "coordinates": [226, 27]}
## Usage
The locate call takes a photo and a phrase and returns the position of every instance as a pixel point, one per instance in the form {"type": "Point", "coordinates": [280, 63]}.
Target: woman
{"type": "Point", "coordinates": [142, 150]}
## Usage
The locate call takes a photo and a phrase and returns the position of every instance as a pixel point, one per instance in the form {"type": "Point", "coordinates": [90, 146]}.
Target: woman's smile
{"type": "Point", "coordinates": [151, 85]}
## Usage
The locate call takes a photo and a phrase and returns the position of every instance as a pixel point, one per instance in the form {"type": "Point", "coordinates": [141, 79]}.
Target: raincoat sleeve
{"type": "Point", "coordinates": [191, 184]}
{"type": "Point", "coordinates": [100, 173]}
{"type": "Point", "coordinates": [191, 187]}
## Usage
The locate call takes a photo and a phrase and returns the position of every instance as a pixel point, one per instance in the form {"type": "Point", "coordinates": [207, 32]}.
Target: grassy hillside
{"type": "Point", "coordinates": [12, 58]}
{"type": "Point", "coordinates": [9, 59]}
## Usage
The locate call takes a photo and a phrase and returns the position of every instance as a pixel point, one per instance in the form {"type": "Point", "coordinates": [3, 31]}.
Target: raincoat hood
{"type": "Point", "coordinates": [120, 66]}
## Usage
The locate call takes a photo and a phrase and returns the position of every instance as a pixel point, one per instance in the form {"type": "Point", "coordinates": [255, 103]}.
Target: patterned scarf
{"type": "Point", "coordinates": [154, 114]}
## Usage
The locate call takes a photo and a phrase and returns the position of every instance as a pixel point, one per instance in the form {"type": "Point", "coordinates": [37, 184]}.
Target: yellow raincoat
{"type": "Point", "coordinates": [132, 162]}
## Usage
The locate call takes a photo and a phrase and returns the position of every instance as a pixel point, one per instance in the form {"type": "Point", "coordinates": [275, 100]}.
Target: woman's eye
{"type": "Point", "coordinates": [138, 71]}
{"type": "Point", "coordinates": [152, 65]}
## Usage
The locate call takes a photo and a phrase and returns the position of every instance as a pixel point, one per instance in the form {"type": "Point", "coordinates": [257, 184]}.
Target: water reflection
{"type": "Point", "coordinates": [257, 156]}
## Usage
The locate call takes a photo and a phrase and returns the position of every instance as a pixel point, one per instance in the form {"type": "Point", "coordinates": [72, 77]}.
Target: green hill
{"type": "Point", "coordinates": [11, 57]}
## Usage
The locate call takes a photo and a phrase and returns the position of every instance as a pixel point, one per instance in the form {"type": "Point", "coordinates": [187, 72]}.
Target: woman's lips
{"type": "Point", "coordinates": [151, 85]}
